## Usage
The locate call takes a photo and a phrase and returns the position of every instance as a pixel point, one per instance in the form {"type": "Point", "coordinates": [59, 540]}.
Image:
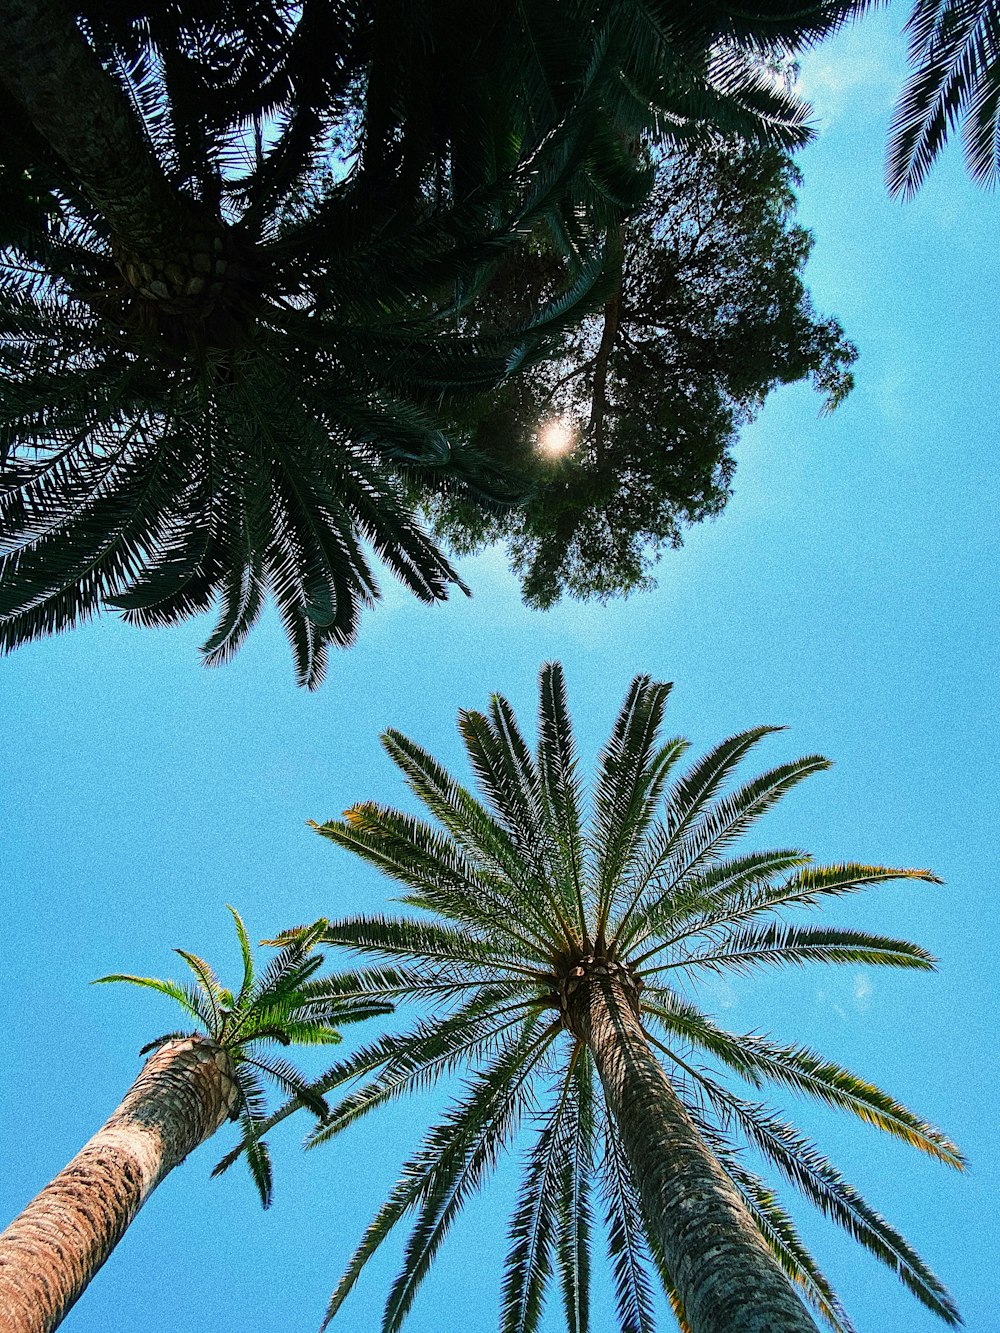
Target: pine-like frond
{"type": "Point", "coordinates": [810, 1172]}
{"type": "Point", "coordinates": [759, 1060]}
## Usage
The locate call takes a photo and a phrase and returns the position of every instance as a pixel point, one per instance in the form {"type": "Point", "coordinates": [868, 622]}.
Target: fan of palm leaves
{"type": "Point", "coordinates": [522, 898]}
{"type": "Point", "coordinates": [161, 478]}
{"type": "Point", "coordinates": [286, 1004]}
{"type": "Point", "coordinates": [354, 175]}
{"type": "Point", "coordinates": [955, 57]}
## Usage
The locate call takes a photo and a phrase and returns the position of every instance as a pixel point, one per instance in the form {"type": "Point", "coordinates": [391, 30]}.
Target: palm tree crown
{"type": "Point", "coordinates": [285, 1004]}
{"type": "Point", "coordinates": [533, 906]}
{"type": "Point", "coordinates": [238, 247]}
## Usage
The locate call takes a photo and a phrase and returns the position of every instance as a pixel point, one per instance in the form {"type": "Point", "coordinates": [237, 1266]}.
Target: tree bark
{"type": "Point", "coordinates": [171, 251]}
{"type": "Point", "coordinates": [51, 1251]}
{"type": "Point", "coordinates": [58, 80]}
{"type": "Point", "coordinates": [726, 1277]}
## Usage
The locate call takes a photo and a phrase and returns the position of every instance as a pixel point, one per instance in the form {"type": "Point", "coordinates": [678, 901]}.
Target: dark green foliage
{"type": "Point", "coordinates": [161, 481]}
{"type": "Point", "coordinates": [367, 171]}
{"type": "Point", "coordinates": [509, 889]}
{"type": "Point", "coordinates": [286, 1004]}
{"type": "Point", "coordinates": [955, 58]}
{"type": "Point", "coordinates": [709, 315]}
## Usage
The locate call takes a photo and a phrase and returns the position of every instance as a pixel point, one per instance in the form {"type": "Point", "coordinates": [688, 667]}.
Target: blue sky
{"type": "Point", "coordinates": [848, 592]}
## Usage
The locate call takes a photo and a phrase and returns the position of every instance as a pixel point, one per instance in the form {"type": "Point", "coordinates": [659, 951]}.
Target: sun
{"type": "Point", "coordinates": [556, 437]}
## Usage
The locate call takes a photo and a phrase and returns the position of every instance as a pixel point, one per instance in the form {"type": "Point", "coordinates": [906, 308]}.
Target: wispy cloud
{"type": "Point", "coordinates": [838, 1003]}
{"type": "Point", "coordinates": [848, 76]}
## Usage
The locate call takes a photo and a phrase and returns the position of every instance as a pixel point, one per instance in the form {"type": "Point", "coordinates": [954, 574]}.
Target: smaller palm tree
{"type": "Point", "coordinates": [557, 959]}
{"type": "Point", "coordinates": [192, 1083]}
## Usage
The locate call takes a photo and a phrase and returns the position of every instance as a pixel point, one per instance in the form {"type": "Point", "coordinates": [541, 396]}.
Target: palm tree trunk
{"type": "Point", "coordinates": [170, 250]}
{"type": "Point", "coordinates": [726, 1277]}
{"type": "Point", "coordinates": [50, 1252]}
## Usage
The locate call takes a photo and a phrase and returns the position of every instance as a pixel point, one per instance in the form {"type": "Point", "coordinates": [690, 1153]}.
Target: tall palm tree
{"type": "Point", "coordinates": [191, 1084]}
{"type": "Point", "coordinates": [955, 58]}
{"type": "Point", "coordinates": [560, 953]}
{"type": "Point", "coordinates": [241, 241]}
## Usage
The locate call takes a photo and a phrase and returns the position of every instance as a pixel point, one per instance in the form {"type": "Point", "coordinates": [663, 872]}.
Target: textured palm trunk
{"type": "Point", "coordinates": [51, 1251]}
{"type": "Point", "coordinates": [170, 251]}
{"type": "Point", "coordinates": [724, 1273]}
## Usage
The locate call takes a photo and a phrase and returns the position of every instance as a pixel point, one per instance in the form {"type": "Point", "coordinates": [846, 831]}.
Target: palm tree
{"type": "Point", "coordinates": [240, 247]}
{"type": "Point", "coordinates": [191, 1084]}
{"type": "Point", "coordinates": [560, 957]}
{"type": "Point", "coordinates": [955, 58]}
{"type": "Point", "coordinates": [223, 362]}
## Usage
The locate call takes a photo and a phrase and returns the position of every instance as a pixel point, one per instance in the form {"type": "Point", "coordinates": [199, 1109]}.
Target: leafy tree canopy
{"type": "Point", "coordinates": [246, 280]}
{"type": "Point", "coordinates": [705, 314]}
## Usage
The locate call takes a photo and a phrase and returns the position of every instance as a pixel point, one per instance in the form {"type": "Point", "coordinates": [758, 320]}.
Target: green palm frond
{"type": "Point", "coordinates": [758, 1060]}
{"type": "Point", "coordinates": [191, 1000]}
{"type": "Point", "coordinates": [532, 1229]}
{"type": "Point", "coordinates": [450, 1166]}
{"type": "Point", "coordinates": [631, 773]}
{"type": "Point", "coordinates": [784, 1241]}
{"type": "Point", "coordinates": [561, 788]}
{"type": "Point", "coordinates": [430, 1052]}
{"type": "Point", "coordinates": [541, 890]}
{"type": "Point", "coordinates": [954, 54]}
{"type": "Point", "coordinates": [458, 1153]}
{"type": "Point", "coordinates": [652, 911]}
{"type": "Point", "coordinates": [575, 1227]}
{"type": "Point", "coordinates": [809, 1171]}
{"type": "Point", "coordinates": [628, 1249]}
{"type": "Point", "coordinates": [749, 947]}
{"type": "Point", "coordinates": [744, 900]}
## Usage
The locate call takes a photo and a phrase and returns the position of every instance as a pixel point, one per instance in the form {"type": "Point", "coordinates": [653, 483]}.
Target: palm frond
{"type": "Point", "coordinates": [758, 1060]}
{"type": "Point", "coordinates": [561, 790]}
{"type": "Point", "coordinates": [955, 57]}
{"type": "Point", "coordinates": [575, 1222]}
{"type": "Point", "coordinates": [627, 1242]}
{"type": "Point", "coordinates": [631, 774]}
{"type": "Point", "coordinates": [187, 997]}
{"type": "Point", "coordinates": [784, 1242]}
{"type": "Point", "coordinates": [533, 1224]}
{"type": "Point", "coordinates": [447, 1169]}
{"type": "Point", "coordinates": [749, 947]}
{"type": "Point", "coordinates": [419, 1058]}
{"type": "Point", "coordinates": [806, 1168]}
